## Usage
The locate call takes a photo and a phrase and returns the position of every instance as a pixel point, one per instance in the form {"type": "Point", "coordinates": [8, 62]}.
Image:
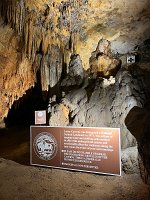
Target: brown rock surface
{"type": "Point", "coordinates": [60, 116]}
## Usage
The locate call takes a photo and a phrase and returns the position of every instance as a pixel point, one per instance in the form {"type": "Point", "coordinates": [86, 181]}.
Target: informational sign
{"type": "Point", "coordinates": [40, 117]}
{"type": "Point", "coordinates": [95, 150]}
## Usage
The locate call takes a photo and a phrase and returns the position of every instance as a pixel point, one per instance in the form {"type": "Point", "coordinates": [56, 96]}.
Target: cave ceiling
{"type": "Point", "coordinates": [124, 23]}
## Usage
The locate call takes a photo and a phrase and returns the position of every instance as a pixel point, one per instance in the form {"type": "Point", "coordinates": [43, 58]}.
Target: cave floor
{"type": "Point", "coordinates": [15, 145]}
{"type": "Point", "coordinates": [20, 181]}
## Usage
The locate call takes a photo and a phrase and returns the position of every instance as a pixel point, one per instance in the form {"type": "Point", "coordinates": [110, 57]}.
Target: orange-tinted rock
{"type": "Point", "coordinates": [102, 63]}
{"type": "Point", "coordinates": [16, 76]}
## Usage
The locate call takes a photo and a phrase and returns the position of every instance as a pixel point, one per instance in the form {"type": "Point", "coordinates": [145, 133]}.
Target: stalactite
{"type": "Point", "coordinates": [26, 37]}
{"type": "Point", "coordinates": [44, 75]}
{"type": "Point", "coordinates": [38, 35]}
{"type": "Point", "coordinates": [29, 45]}
{"type": "Point", "coordinates": [22, 8]}
{"type": "Point", "coordinates": [15, 14]}
{"type": "Point", "coordinates": [33, 51]}
{"type": "Point", "coordinates": [14, 17]}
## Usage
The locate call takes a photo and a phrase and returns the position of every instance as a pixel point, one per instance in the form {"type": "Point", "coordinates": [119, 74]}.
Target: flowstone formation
{"type": "Point", "coordinates": [106, 102]}
{"type": "Point", "coordinates": [16, 75]}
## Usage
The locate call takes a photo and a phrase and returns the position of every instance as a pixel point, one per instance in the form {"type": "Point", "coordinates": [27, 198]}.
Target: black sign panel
{"type": "Point", "coordinates": [94, 150]}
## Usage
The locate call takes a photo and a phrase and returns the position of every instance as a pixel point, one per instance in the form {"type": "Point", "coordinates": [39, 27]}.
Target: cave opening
{"type": "Point", "coordinates": [22, 112]}
{"type": "Point", "coordinates": [15, 137]}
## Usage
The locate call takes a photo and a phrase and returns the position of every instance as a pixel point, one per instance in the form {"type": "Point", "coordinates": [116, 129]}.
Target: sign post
{"type": "Point", "coordinates": [95, 150]}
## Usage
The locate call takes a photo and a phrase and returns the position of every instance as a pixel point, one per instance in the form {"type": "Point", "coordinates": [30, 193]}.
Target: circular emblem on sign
{"type": "Point", "coordinates": [40, 114]}
{"type": "Point", "coordinates": [45, 146]}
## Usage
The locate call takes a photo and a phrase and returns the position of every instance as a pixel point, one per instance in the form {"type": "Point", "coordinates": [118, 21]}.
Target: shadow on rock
{"type": "Point", "coordinates": [137, 121]}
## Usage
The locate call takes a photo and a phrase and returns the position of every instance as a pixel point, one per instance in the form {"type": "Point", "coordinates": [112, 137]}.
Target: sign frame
{"type": "Point", "coordinates": [75, 169]}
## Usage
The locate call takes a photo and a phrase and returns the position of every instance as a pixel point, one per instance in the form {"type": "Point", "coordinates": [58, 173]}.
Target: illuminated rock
{"type": "Point", "coordinates": [15, 77]}
{"type": "Point", "coordinates": [75, 73]}
{"type": "Point", "coordinates": [102, 63]}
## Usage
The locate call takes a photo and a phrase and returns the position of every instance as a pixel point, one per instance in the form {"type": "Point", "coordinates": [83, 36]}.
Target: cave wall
{"type": "Point", "coordinates": [48, 32]}
{"type": "Point", "coordinates": [16, 74]}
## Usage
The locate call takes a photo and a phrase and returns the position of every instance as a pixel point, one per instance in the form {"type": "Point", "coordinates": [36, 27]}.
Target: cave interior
{"type": "Point", "coordinates": [87, 63]}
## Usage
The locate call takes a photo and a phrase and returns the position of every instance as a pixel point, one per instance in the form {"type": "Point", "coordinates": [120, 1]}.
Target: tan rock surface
{"type": "Point", "coordinates": [104, 66]}
{"type": "Point", "coordinates": [16, 76]}
{"type": "Point", "coordinates": [60, 116]}
{"type": "Point", "coordinates": [124, 23]}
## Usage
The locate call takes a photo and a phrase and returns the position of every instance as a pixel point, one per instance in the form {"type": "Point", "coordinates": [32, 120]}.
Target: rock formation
{"type": "Point", "coordinates": [48, 32]}
{"type": "Point", "coordinates": [102, 63]}
{"type": "Point", "coordinates": [75, 73]}
{"type": "Point", "coordinates": [105, 103]}
{"type": "Point", "coordinates": [16, 76]}
{"type": "Point", "coordinates": [137, 122]}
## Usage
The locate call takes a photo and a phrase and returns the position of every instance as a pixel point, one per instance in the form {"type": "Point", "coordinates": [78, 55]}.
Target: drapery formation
{"type": "Point", "coordinates": [44, 42]}
{"type": "Point", "coordinates": [56, 26]}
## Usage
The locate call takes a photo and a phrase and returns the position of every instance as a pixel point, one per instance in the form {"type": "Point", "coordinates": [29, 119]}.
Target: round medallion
{"type": "Point", "coordinates": [45, 146]}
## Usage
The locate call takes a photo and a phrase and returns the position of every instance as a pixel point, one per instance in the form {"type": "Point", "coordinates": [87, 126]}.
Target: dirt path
{"type": "Point", "coordinates": [15, 144]}
{"type": "Point", "coordinates": [19, 182]}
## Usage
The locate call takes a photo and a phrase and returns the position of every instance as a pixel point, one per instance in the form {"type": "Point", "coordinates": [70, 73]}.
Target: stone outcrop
{"type": "Point", "coordinates": [75, 73]}
{"type": "Point", "coordinates": [106, 103]}
{"type": "Point", "coordinates": [137, 121]}
{"type": "Point", "coordinates": [102, 62]}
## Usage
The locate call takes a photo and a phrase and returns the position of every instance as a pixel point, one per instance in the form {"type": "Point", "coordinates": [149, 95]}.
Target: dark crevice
{"type": "Point", "coordinates": [22, 110]}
